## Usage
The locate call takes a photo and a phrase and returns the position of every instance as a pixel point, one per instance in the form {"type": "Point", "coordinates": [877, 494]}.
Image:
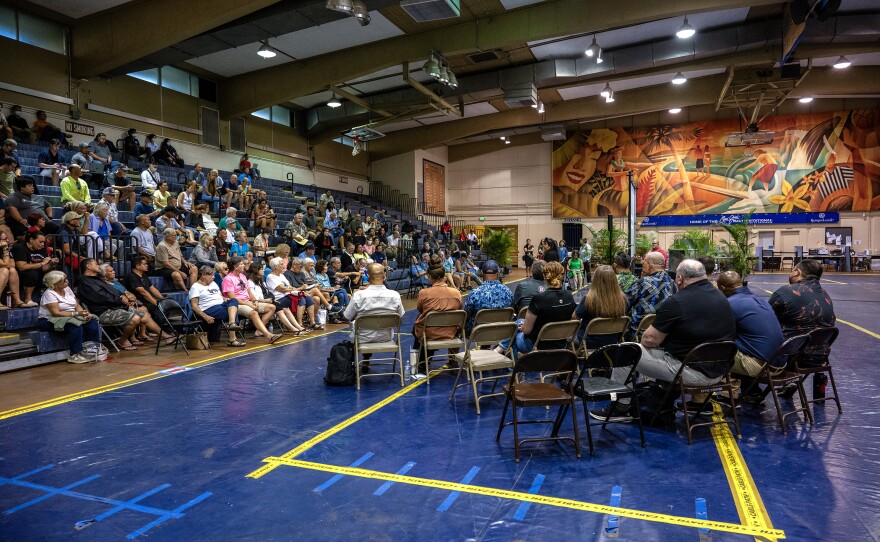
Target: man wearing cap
{"type": "Point", "coordinates": [24, 202]}
{"type": "Point", "coordinates": [170, 263]}
{"type": "Point", "coordinates": [309, 253]}
{"type": "Point", "coordinates": [110, 195]}
{"type": "Point", "coordinates": [70, 237]}
{"type": "Point", "coordinates": [73, 188]}
{"type": "Point", "coordinates": [489, 295]}
{"type": "Point", "coordinates": [145, 207]}
{"type": "Point", "coordinates": [118, 180]}
{"type": "Point", "coordinates": [100, 151]}
{"type": "Point", "coordinates": [168, 219]}
{"type": "Point", "coordinates": [84, 160]}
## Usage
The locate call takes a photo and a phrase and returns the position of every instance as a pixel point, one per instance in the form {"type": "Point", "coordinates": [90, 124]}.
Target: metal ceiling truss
{"type": "Point", "coordinates": [757, 89]}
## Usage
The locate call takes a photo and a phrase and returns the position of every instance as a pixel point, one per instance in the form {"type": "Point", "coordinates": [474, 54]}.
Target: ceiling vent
{"type": "Point", "coordinates": [553, 132]}
{"type": "Point", "coordinates": [363, 133]}
{"type": "Point", "coordinates": [423, 11]}
{"type": "Point", "coordinates": [524, 96]}
{"type": "Point", "coordinates": [484, 56]}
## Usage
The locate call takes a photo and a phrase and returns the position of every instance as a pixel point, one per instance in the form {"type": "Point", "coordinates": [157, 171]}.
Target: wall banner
{"type": "Point", "coordinates": [757, 219]}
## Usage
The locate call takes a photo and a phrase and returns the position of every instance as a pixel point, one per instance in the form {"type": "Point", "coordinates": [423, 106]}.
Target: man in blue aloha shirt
{"type": "Point", "coordinates": [489, 295]}
{"type": "Point", "coordinates": [646, 294]}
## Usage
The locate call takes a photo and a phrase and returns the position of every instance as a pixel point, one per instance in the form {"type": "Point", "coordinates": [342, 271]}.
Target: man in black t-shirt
{"type": "Point", "coordinates": [696, 314]}
{"type": "Point", "coordinates": [32, 262]}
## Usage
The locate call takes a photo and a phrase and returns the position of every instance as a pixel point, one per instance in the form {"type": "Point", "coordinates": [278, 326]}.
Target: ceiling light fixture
{"type": "Point", "coordinates": [610, 98]}
{"type": "Point", "coordinates": [842, 63]}
{"type": "Point", "coordinates": [540, 107]}
{"type": "Point", "coordinates": [444, 75]}
{"type": "Point", "coordinates": [265, 50]}
{"type": "Point", "coordinates": [593, 49]}
{"type": "Point", "coordinates": [361, 13]}
{"type": "Point", "coordinates": [507, 142]}
{"type": "Point", "coordinates": [806, 99]}
{"type": "Point", "coordinates": [686, 30]}
{"type": "Point", "coordinates": [432, 67]}
{"type": "Point", "coordinates": [453, 80]}
{"type": "Point", "coordinates": [342, 6]}
{"type": "Point", "coordinates": [599, 57]}
{"type": "Point", "coordinates": [675, 110]}
{"type": "Point", "coordinates": [503, 138]}
{"type": "Point", "coordinates": [606, 91]}
{"type": "Point", "coordinates": [679, 79]}
{"type": "Point", "coordinates": [334, 102]}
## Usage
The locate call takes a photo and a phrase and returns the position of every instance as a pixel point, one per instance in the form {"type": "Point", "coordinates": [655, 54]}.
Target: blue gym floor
{"type": "Point", "coordinates": [258, 448]}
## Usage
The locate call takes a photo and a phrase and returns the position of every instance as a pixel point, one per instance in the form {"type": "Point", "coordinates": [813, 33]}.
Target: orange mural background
{"type": "Point", "coordinates": [816, 162]}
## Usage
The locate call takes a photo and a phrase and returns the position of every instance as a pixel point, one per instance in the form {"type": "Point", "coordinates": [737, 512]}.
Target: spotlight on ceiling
{"type": "Point", "coordinates": [432, 67]}
{"type": "Point", "coordinates": [679, 79]}
{"type": "Point", "coordinates": [266, 51]}
{"type": "Point", "coordinates": [507, 142]}
{"type": "Point", "coordinates": [540, 107]}
{"type": "Point", "coordinates": [334, 102]}
{"type": "Point", "coordinates": [686, 30]}
{"type": "Point", "coordinates": [675, 110]}
{"type": "Point", "coordinates": [599, 57]}
{"type": "Point", "coordinates": [342, 6]}
{"type": "Point", "coordinates": [361, 13]}
{"type": "Point", "coordinates": [593, 49]}
{"type": "Point", "coordinates": [502, 138]}
{"type": "Point", "coordinates": [610, 98]}
{"type": "Point", "coordinates": [606, 91]}
{"type": "Point", "coordinates": [806, 99]}
{"type": "Point", "coordinates": [453, 80]}
{"type": "Point", "coordinates": [842, 63]}
{"type": "Point", "coordinates": [444, 75]}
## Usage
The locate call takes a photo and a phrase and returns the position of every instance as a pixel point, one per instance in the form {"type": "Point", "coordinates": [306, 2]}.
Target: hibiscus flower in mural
{"type": "Point", "coordinates": [791, 198]}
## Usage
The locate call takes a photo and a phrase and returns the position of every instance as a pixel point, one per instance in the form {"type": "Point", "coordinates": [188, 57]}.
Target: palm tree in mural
{"type": "Point", "coordinates": [659, 136]}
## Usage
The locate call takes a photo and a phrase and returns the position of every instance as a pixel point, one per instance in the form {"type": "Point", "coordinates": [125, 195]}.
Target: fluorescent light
{"type": "Point", "coordinates": [842, 63]}
{"type": "Point", "coordinates": [334, 102]}
{"type": "Point", "coordinates": [686, 30]}
{"type": "Point", "coordinates": [266, 51]}
{"type": "Point", "coordinates": [806, 99]}
{"type": "Point", "coordinates": [606, 91]}
{"type": "Point", "coordinates": [675, 110]}
{"type": "Point", "coordinates": [540, 107]}
{"type": "Point", "coordinates": [593, 49]}
{"type": "Point", "coordinates": [679, 79]}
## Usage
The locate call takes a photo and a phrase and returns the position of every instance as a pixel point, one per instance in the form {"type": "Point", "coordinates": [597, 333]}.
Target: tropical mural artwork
{"type": "Point", "coordinates": [815, 163]}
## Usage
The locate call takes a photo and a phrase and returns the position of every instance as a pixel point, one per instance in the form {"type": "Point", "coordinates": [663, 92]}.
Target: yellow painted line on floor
{"type": "Point", "coordinates": [749, 504]}
{"type": "Point", "coordinates": [834, 281]}
{"type": "Point", "coordinates": [48, 403]}
{"type": "Point", "coordinates": [765, 532]}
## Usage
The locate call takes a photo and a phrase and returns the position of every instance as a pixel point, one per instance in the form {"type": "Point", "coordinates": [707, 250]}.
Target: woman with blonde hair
{"type": "Point", "coordinates": [211, 189]}
{"type": "Point", "coordinates": [604, 300]}
{"type": "Point", "coordinates": [552, 305]}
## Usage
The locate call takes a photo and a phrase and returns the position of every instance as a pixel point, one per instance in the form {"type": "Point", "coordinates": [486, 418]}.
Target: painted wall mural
{"type": "Point", "coordinates": [816, 162]}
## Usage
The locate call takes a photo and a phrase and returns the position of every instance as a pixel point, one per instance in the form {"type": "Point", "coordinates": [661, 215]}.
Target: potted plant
{"type": "Point", "coordinates": [738, 249]}
{"type": "Point", "coordinates": [498, 244]}
{"type": "Point", "coordinates": [694, 243]}
{"type": "Point", "coordinates": [608, 243]}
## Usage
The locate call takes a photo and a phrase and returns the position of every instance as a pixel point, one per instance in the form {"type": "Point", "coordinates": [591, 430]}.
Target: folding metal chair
{"type": "Point", "coordinates": [545, 394]}
{"type": "Point", "coordinates": [820, 339]}
{"type": "Point", "coordinates": [609, 328]}
{"type": "Point", "coordinates": [644, 324]}
{"type": "Point", "coordinates": [491, 316]}
{"type": "Point", "coordinates": [477, 361]}
{"type": "Point", "coordinates": [381, 321]}
{"type": "Point", "coordinates": [601, 388]}
{"type": "Point", "coordinates": [773, 377]}
{"type": "Point", "coordinates": [177, 322]}
{"type": "Point", "coordinates": [554, 332]}
{"type": "Point", "coordinates": [715, 355]}
{"type": "Point", "coordinates": [445, 319]}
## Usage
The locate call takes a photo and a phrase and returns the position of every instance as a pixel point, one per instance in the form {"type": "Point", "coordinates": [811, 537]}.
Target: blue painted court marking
{"type": "Point", "coordinates": [162, 515]}
{"type": "Point", "coordinates": [702, 512]}
{"type": "Point", "coordinates": [51, 493]}
{"type": "Point", "coordinates": [387, 485]}
{"type": "Point", "coordinates": [338, 477]}
{"type": "Point", "coordinates": [524, 507]}
{"type": "Point", "coordinates": [177, 512]}
{"type": "Point", "coordinates": [444, 506]}
{"type": "Point", "coordinates": [614, 521]}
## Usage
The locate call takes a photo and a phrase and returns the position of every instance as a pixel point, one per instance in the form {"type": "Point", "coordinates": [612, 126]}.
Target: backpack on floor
{"type": "Point", "coordinates": [651, 404]}
{"type": "Point", "coordinates": [340, 365]}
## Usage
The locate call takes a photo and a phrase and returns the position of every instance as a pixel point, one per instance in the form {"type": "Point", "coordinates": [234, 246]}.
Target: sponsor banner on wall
{"type": "Point", "coordinates": [756, 219]}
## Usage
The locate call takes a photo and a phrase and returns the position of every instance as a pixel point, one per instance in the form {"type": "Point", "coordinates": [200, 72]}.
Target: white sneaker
{"type": "Point", "coordinates": [77, 358]}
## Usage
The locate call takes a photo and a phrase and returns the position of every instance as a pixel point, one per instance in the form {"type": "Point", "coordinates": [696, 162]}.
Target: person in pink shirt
{"type": "Point", "coordinates": [235, 286]}
{"type": "Point", "coordinates": [655, 247]}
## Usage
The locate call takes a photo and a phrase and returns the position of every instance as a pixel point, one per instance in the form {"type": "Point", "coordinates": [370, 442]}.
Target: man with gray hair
{"type": "Point", "coordinates": [698, 313]}
{"type": "Point", "coordinates": [646, 294]}
{"type": "Point", "coordinates": [170, 263]}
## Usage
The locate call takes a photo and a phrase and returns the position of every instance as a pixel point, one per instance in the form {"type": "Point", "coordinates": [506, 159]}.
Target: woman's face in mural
{"type": "Point", "coordinates": [582, 165]}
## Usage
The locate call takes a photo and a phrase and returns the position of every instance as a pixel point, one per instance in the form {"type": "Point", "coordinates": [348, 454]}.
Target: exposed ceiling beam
{"type": "Point", "coordinates": [702, 91]}
{"type": "Point", "coordinates": [250, 92]}
{"type": "Point", "coordinates": [108, 40]}
{"type": "Point", "coordinates": [357, 99]}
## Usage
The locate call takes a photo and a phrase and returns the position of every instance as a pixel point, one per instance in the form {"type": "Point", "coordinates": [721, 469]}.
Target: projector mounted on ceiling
{"type": "Point", "coordinates": [363, 133]}
{"type": "Point", "coordinates": [431, 10]}
{"type": "Point", "coordinates": [755, 138]}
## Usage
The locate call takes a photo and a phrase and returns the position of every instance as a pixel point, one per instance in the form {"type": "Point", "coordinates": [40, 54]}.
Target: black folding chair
{"type": "Point", "coordinates": [773, 378]}
{"type": "Point", "coordinates": [176, 321]}
{"type": "Point", "coordinates": [821, 340]}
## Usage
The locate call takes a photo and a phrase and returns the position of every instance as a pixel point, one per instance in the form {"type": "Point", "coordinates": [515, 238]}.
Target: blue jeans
{"type": "Point", "coordinates": [89, 331]}
{"type": "Point", "coordinates": [220, 314]}
{"type": "Point", "coordinates": [342, 295]}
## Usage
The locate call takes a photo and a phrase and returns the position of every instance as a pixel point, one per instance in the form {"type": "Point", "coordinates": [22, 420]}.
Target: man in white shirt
{"type": "Point", "coordinates": [373, 299]}
{"type": "Point", "coordinates": [150, 178]}
{"type": "Point", "coordinates": [110, 195]}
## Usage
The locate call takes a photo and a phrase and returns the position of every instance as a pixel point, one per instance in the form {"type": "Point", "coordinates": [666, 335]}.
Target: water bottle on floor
{"type": "Point", "coordinates": [414, 365]}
